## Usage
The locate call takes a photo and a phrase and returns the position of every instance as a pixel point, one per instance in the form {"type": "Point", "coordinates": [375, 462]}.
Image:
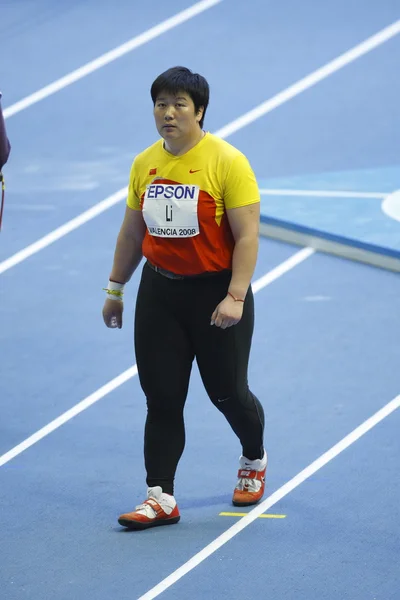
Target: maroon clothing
{"type": "Point", "coordinates": [4, 143]}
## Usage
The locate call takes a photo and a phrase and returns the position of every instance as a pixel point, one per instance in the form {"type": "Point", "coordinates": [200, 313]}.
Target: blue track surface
{"type": "Point", "coordinates": [325, 350]}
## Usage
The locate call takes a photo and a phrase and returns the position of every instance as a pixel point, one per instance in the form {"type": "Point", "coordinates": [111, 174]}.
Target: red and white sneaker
{"type": "Point", "coordinates": [251, 484]}
{"type": "Point", "coordinates": [158, 509]}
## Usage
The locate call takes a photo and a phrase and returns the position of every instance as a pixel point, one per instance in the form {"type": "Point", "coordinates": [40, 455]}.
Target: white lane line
{"type": "Point", "coordinates": [273, 499]}
{"type": "Point", "coordinates": [303, 84]}
{"type": "Point", "coordinates": [63, 230]}
{"type": "Point", "coordinates": [391, 205]}
{"type": "Point", "coordinates": [110, 56]}
{"type": "Point", "coordinates": [322, 193]}
{"type": "Point", "coordinates": [68, 415]}
{"type": "Point", "coordinates": [280, 270]}
{"type": "Point", "coordinates": [224, 132]}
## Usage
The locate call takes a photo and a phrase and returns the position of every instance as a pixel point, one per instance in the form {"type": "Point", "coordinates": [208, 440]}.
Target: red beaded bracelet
{"type": "Point", "coordinates": [235, 299]}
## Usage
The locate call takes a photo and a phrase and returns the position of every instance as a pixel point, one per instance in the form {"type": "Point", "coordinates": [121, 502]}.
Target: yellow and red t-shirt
{"type": "Point", "coordinates": [184, 201]}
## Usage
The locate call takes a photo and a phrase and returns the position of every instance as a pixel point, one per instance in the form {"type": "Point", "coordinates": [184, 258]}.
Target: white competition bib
{"type": "Point", "coordinates": [170, 210]}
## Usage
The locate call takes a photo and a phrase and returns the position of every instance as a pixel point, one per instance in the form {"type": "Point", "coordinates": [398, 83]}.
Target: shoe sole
{"type": "Point", "coordinates": [245, 503]}
{"type": "Point", "coordinates": [137, 525]}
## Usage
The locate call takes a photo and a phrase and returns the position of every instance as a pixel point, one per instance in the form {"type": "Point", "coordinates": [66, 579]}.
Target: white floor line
{"type": "Point", "coordinates": [303, 84]}
{"type": "Point", "coordinates": [69, 414]}
{"type": "Point", "coordinates": [224, 132]}
{"type": "Point", "coordinates": [280, 270]}
{"type": "Point", "coordinates": [110, 56]}
{"type": "Point", "coordinates": [391, 205]}
{"type": "Point", "coordinates": [322, 193]}
{"type": "Point", "coordinates": [283, 491]}
{"type": "Point", "coordinates": [63, 230]}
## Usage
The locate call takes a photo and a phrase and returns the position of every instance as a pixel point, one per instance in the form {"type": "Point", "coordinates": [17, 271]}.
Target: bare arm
{"type": "Point", "coordinates": [128, 251]}
{"type": "Point", "coordinates": [244, 223]}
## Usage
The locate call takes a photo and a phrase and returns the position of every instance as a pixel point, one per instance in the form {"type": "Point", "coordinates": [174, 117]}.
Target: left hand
{"type": "Point", "coordinates": [228, 313]}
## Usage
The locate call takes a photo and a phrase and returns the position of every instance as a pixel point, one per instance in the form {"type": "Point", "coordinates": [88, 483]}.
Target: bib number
{"type": "Point", "coordinates": [170, 211]}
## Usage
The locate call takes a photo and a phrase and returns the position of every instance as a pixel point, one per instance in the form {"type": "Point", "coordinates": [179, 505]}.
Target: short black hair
{"type": "Point", "coordinates": [182, 79]}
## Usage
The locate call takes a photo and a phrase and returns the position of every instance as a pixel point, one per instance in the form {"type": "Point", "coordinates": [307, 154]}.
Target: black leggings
{"type": "Point", "coordinates": [172, 327]}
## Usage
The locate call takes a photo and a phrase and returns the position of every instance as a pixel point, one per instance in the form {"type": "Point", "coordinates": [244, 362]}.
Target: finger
{"type": "Point", "coordinates": [218, 320]}
{"type": "Point", "coordinates": [231, 323]}
{"type": "Point", "coordinates": [106, 318]}
{"type": "Point", "coordinates": [214, 316]}
{"type": "Point", "coordinates": [110, 319]}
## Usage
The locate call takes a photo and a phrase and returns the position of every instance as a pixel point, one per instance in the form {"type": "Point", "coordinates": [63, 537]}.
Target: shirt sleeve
{"type": "Point", "coordinates": [241, 186]}
{"type": "Point", "coordinates": [133, 200]}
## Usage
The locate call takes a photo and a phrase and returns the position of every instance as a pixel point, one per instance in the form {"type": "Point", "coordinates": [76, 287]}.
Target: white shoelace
{"type": "Point", "coordinates": [156, 497]}
{"type": "Point", "coordinates": [147, 510]}
{"type": "Point", "coordinates": [248, 485]}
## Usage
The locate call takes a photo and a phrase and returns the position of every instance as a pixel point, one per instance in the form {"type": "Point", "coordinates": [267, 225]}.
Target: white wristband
{"type": "Point", "coordinates": [115, 291]}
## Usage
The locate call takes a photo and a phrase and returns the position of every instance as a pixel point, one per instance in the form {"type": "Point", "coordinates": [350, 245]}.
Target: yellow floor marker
{"type": "Point", "coordinates": [238, 514]}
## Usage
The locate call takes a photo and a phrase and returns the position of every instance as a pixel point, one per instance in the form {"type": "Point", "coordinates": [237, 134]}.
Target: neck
{"type": "Point", "coordinates": [180, 147]}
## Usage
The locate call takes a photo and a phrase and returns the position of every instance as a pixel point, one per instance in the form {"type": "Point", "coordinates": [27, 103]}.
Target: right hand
{"type": "Point", "coordinates": [112, 313]}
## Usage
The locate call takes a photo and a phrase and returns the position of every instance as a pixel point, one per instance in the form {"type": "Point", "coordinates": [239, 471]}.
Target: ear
{"type": "Point", "coordinates": [199, 114]}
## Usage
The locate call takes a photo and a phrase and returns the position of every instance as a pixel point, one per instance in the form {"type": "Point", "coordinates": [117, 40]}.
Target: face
{"type": "Point", "coordinates": [176, 118]}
